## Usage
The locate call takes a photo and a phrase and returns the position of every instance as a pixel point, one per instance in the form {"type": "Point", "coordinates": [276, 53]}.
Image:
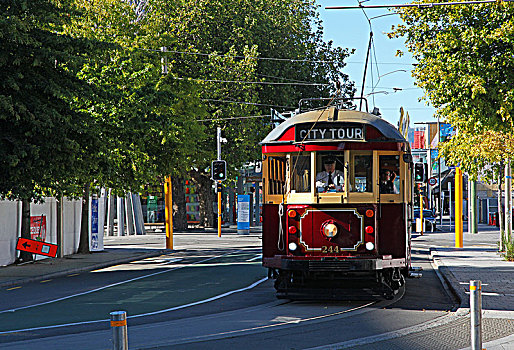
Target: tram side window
{"type": "Point", "coordinates": [276, 175]}
{"type": "Point", "coordinates": [389, 174]}
{"type": "Point", "coordinates": [330, 172]}
{"type": "Point", "coordinates": [362, 173]}
{"type": "Point", "coordinates": [301, 173]}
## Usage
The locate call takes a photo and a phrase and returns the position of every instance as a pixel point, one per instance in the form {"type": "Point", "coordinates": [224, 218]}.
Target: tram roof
{"type": "Point", "coordinates": [343, 115]}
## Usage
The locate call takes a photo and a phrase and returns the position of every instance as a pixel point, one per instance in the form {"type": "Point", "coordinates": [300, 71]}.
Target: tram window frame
{"type": "Point", "coordinates": [353, 188]}
{"type": "Point", "coordinates": [398, 171]}
{"type": "Point", "coordinates": [276, 174]}
{"type": "Point", "coordinates": [341, 165]}
{"type": "Point", "coordinates": [306, 179]}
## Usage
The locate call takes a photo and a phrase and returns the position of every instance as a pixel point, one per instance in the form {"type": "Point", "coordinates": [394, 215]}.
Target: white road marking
{"type": "Point", "coordinates": [145, 314]}
{"type": "Point", "coordinates": [255, 258]}
{"type": "Point", "coordinates": [113, 284]}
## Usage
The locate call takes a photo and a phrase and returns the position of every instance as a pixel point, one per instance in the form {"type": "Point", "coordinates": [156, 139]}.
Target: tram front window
{"type": "Point", "coordinates": [330, 175]}
{"type": "Point", "coordinates": [362, 170]}
{"type": "Point", "coordinates": [301, 173]}
{"type": "Point", "coordinates": [389, 174]}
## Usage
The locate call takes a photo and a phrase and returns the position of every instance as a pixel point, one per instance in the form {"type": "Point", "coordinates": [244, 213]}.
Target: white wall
{"type": "Point", "coordinates": [10, 226]}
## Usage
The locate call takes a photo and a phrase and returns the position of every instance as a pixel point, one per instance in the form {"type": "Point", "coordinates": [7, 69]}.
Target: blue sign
{"type": "Point", "coordinates": [94, 224]}
{"type": "Point", "coordinates": [243, 212]}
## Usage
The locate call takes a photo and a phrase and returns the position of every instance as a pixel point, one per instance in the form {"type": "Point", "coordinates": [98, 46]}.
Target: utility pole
{"type": "Point", "coordinates": [168, 199]}
{"type": "Point", "coordinates": [218, 183]}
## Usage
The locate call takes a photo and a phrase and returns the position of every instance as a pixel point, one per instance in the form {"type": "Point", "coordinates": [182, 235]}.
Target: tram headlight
{"type": "Point", "coordinates": [370, 246]}
{"type": "Point", "coordinates": [330, 230]}
{"type": "Point", "coordinates": [293, 246]}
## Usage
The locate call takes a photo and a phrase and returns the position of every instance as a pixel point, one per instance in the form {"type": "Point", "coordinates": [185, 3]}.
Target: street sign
{"type": "Point", "coordinates": [432, 181]}
{"type": "Point", "coordinates": [37, 247]}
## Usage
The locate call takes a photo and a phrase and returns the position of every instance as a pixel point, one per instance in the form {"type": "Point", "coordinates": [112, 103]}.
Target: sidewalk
{"type": "Point", "coordinates": [477, 260]}
{"type": "Point", "coordinates": [119, 250]}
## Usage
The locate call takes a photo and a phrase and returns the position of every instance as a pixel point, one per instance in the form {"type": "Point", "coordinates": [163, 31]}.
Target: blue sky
{"type": "Point", "coordinates": [350, 28]}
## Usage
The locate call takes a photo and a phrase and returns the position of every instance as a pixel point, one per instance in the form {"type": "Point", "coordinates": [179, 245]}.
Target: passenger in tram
{"type": "Point", "coordinates": [387, 182]}
{"type": "Point", "coordinates": [331, 179]}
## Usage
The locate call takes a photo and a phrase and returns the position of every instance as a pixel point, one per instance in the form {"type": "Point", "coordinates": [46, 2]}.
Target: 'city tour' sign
{"type": "Point", "coordinates": [329, 132]}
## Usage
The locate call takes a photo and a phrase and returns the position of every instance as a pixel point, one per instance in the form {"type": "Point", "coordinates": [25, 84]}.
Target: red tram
{"type": "Point", "coordinates": [337, 203]}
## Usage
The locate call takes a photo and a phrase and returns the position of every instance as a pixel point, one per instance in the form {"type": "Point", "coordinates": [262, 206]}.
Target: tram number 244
{"type": "Point", "coordinates": [330, 249]}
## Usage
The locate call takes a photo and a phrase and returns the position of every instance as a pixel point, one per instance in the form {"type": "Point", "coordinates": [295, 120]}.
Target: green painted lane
{"type": "Point", "coordinates": [177, 287]}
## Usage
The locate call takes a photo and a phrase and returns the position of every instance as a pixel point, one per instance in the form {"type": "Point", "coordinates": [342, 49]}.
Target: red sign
{"type": "Point", "coordinates": [38, 227]}
{"type": "Point", "coordinates": [37, 247]}
{"type": "Point", "coordinates": [432, 181]}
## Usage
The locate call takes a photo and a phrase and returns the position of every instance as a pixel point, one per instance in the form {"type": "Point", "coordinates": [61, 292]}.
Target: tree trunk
{"type": "Point", "coordinates": [25, 229]}
{"type": "Point", "coordinates": [206, 198]}
{"type": "Point", "coordinates": [84, 223]}
{"type": "Point", "coordinates": [179, 204]}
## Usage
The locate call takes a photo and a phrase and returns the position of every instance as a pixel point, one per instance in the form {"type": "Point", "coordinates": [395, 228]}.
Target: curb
{"type": "Point", "coordinates": [83, 269]}
{"type": "Point", "coordinates": [449, 280]}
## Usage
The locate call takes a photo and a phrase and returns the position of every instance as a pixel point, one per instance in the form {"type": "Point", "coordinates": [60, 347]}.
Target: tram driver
{"type": "Point", "coordinates": [331, 179]}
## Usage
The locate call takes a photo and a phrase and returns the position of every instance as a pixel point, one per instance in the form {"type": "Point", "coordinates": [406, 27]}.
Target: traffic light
{"type": "Point", "coordinates": [219, 170]}
{"type": "Point", "coordinates": [419, 172]}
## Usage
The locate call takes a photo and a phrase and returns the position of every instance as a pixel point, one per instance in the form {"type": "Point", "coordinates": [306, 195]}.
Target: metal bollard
{"type": "Point", "coordinates": [475, 302]}
{"type": "Point", "coordinates": [119, 330]}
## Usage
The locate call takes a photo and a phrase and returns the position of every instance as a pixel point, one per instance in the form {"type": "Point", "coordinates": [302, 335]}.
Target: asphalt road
{"type": "Point", "coordinates": [222, 311]}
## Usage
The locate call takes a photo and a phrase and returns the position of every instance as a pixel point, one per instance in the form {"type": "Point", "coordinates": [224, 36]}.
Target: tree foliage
{"type": "Point", "coordinates": [465, 66]}
{"type": "Point", "coordinates": [39, 128]}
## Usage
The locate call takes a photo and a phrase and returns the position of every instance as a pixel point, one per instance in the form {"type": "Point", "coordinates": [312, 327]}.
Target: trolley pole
{"type": "Point", "coordinates": [168, 212]}
{"type": "Point", "coordinates": [475, 302]}
{"type": "Point", "coordinates": [119, 330]}
{"type": "Point", "coordinates": [458, 209]}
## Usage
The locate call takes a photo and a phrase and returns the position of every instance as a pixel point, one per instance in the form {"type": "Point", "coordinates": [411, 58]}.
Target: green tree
{"type": "Point", "coordinates": [146, 120]}
{"type": "Point", "coordinates": [39, 127]}
{"type": "Point", "coordinates": [465, 66]}
{"type": "Point", "coordinates": [224, 44]}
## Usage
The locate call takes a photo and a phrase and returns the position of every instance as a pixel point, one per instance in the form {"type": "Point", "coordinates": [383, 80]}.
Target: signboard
{"type": "Point", "coordinates": [38, 227]}
{"type": "Point", "coordinates": [243, 213]}
{"type": "Point", "coordinates": [37, 247]}
{"type": "Point", "coordinates": [324, 131]}
{"type": "Point", "coordinates": [432, 181]}
{"type": "Point", "coordinates": [94, 225]}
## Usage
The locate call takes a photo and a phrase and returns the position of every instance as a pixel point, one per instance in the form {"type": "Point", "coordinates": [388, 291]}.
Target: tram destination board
{"type": "Point", "coordinates": [323, 131]}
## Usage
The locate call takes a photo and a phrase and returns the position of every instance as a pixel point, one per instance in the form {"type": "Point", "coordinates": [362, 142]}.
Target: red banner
{"type": "Point", "coordinates": [38, 228]}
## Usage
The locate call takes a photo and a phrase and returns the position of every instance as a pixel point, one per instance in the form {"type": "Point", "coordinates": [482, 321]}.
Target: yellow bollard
{"type": "Point", "coordinates": [168, 212]}
{"type": "Point", "coordinates": [459, 229]}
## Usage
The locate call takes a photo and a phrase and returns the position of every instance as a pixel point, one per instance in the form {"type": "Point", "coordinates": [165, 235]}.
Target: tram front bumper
{"type": "Point", "coordinates": [333, 264]}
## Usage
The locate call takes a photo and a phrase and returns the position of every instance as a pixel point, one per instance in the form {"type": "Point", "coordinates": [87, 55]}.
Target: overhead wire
{"type": "Point", "coordinates": [248, 82]}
